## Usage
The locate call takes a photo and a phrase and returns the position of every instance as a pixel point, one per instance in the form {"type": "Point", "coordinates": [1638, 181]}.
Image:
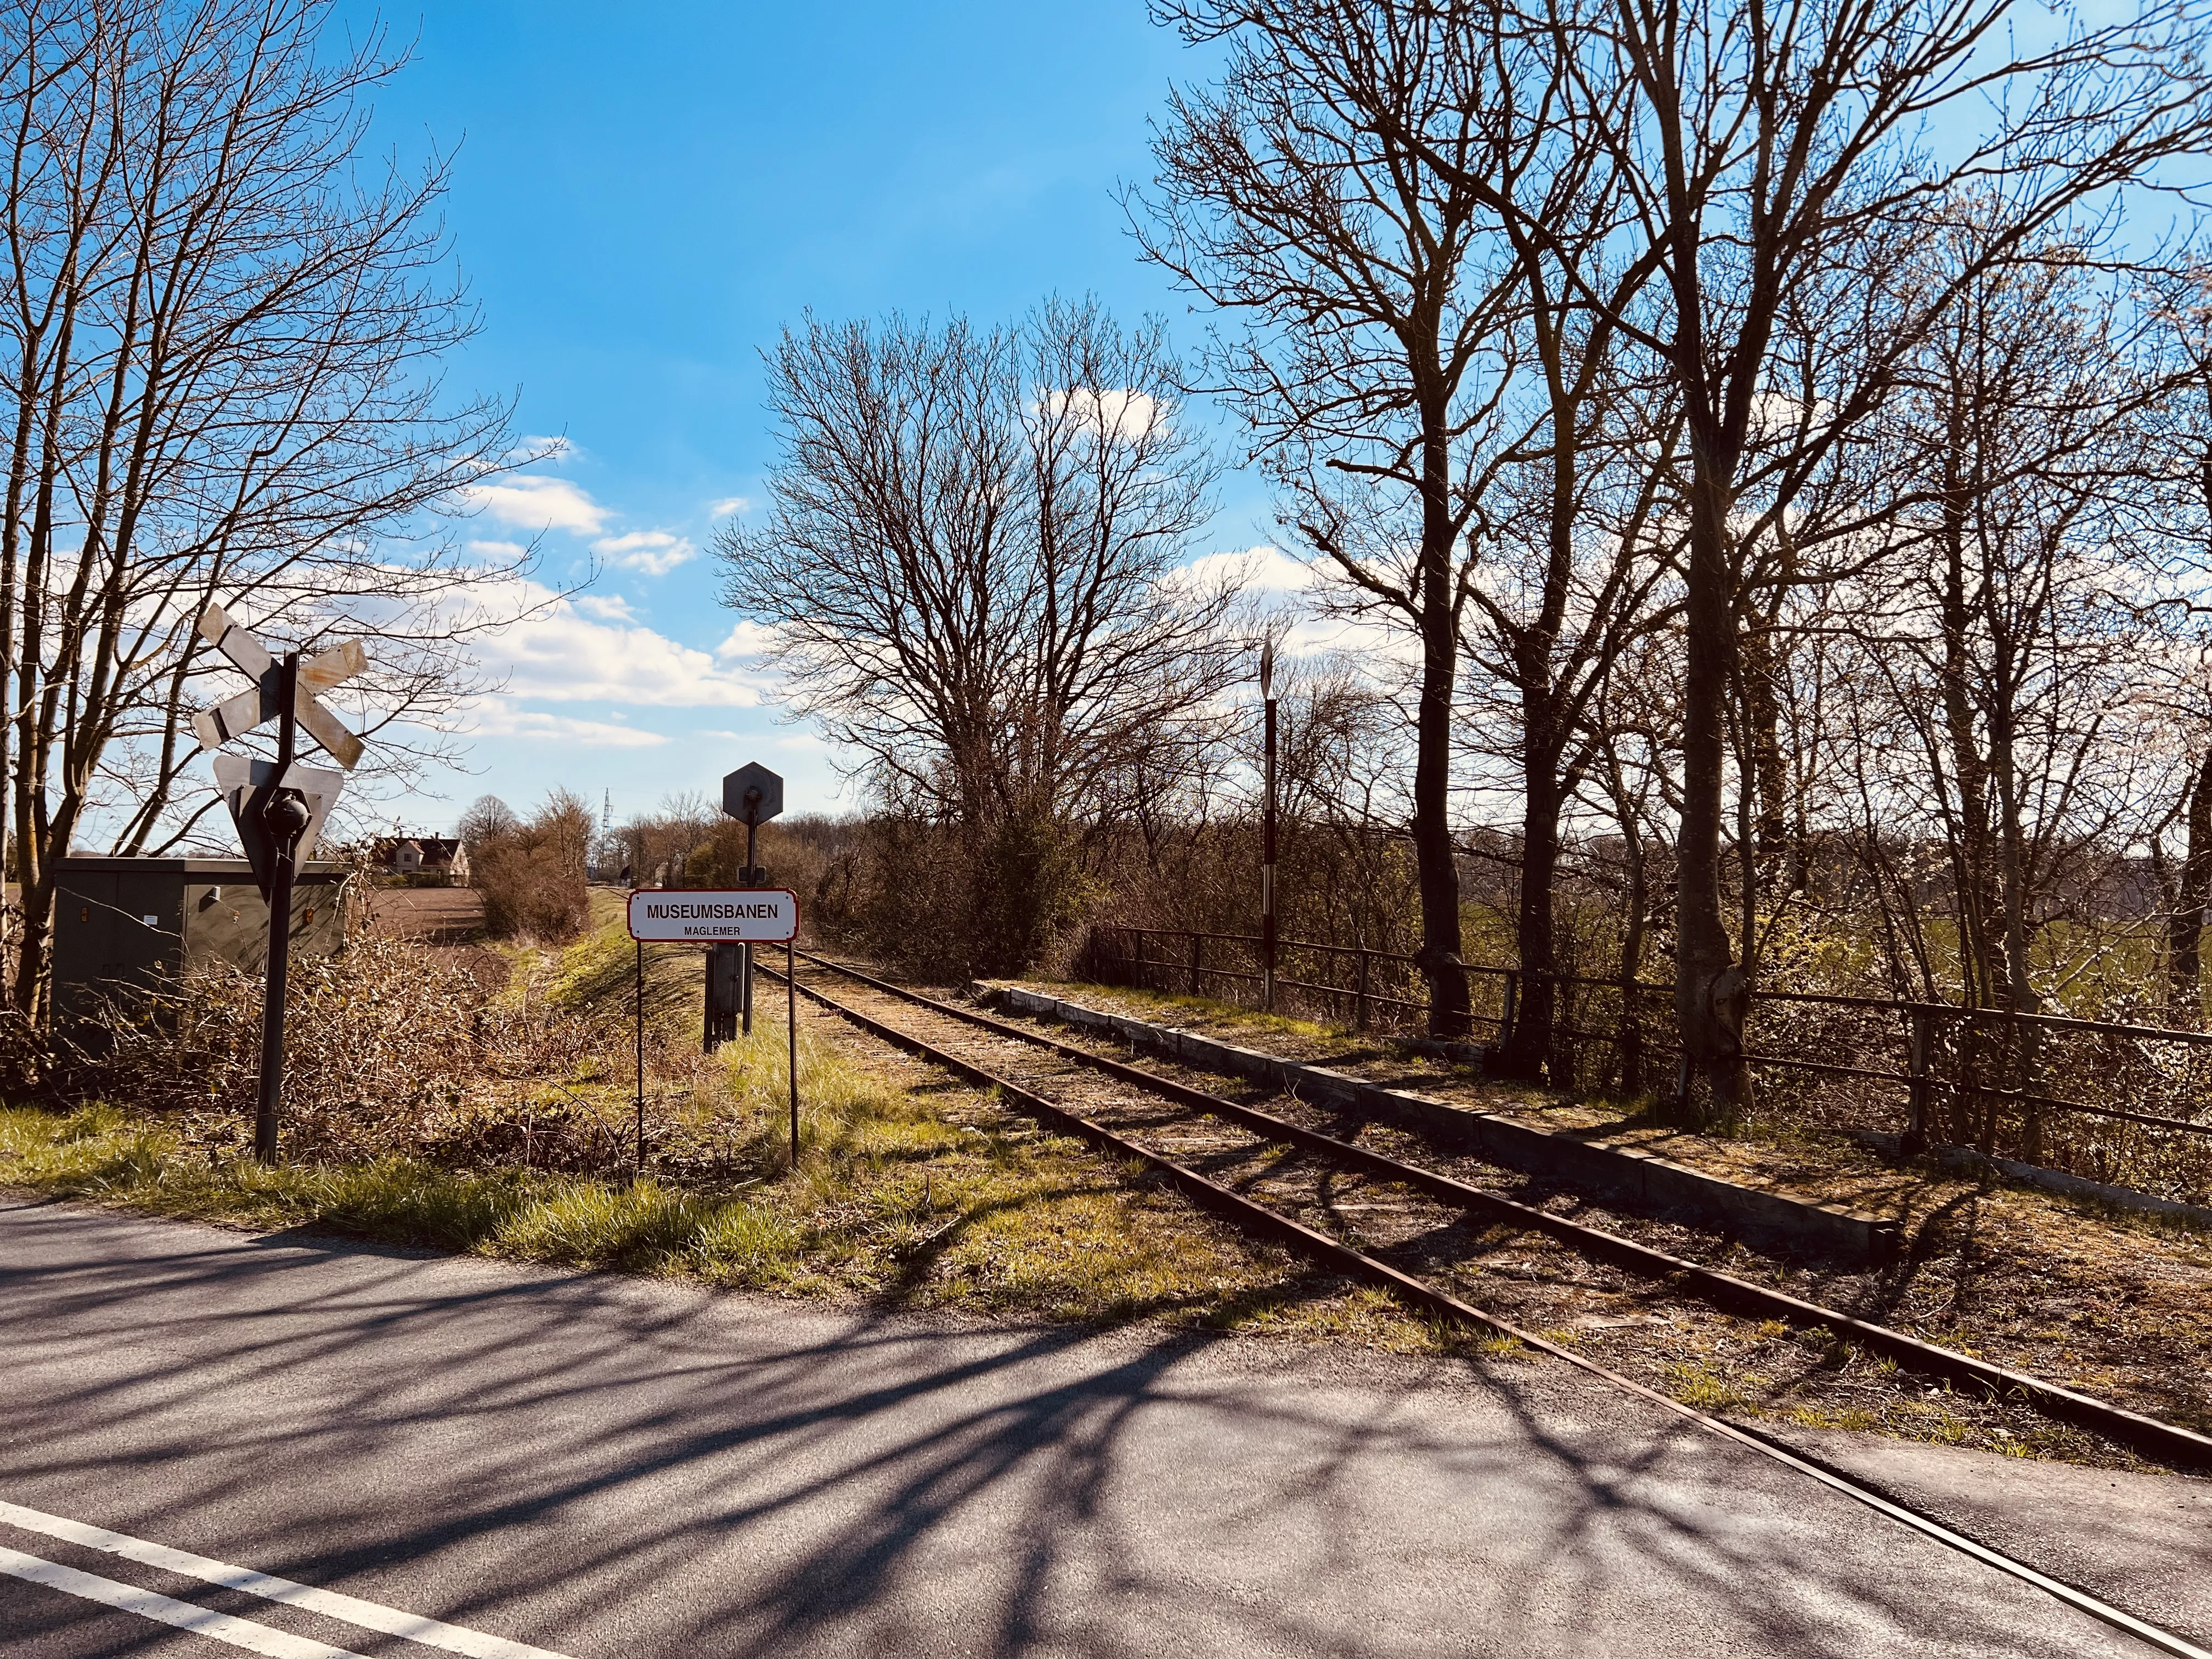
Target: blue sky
{"type": "Point", "coordinates": [638, 205]}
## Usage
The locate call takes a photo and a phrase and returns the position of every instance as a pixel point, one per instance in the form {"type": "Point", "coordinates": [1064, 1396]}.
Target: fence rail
{"type": "Point", "coordinates": [2035, 1085]}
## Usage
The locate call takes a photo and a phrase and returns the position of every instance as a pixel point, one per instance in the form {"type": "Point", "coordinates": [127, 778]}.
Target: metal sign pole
{"type": "Point", "coordinates": [791, 1024]}
{"type": "Point", "coordinates": [272, 808]}
{"type": "Point", "coordinates": [280, 817]}
{"type": "Point", "coordinates": [753, 876]}
{"type": "Point", "coordinates": [640, 1174]}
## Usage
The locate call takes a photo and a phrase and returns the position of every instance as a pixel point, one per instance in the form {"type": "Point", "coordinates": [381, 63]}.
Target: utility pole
{"type": "Point", "coordinates": [1267, 826]}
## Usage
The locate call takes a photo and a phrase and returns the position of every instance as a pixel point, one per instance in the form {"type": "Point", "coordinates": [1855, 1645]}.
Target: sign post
{"type": "Point", "coordinates": [714, 917]}
{"type": "Point", "coordinates": [791, 1034]}
{"type": "Point", "coordinates": [278, 808]}
{"type": "Point", "coordinates": [1268, 832]}
{"type": "Point", "coordinates": [711, 915]}
{"type": "Point", "coordinates": [753, 794]}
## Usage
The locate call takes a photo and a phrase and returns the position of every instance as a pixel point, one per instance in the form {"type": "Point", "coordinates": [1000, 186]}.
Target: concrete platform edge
{"type": "Point", "coordinates": [2050, 1180]}
{"type": "Point", "coordinates": [1636, 1180]}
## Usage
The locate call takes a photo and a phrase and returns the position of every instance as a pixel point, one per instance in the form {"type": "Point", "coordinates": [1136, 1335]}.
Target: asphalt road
{"type": "Point", "coordinates": [607, 1468]}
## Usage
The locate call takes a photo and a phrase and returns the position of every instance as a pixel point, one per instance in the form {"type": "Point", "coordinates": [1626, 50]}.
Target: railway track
{"type": "Point", "coordinates": [1400, 1225]}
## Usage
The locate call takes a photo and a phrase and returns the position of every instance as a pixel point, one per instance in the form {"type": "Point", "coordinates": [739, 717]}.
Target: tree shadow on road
{"type": "Point", "coordinates": [608, 1466]}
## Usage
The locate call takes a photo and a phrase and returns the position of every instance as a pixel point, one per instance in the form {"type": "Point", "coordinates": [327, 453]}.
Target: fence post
{"type": "Point", "coordinates": [1197, 954]}
{"type": "Point", "coordinates": [1632, 1042]}
{"type": "Point", "coordinates": [1137, 974]}
{"type": "Point", "coordinates": [1914, 1141]}
{"type": "Point", "coordinates": [1360, 1008]}
{"type": "Point", "coordinates": [1509, 1007]}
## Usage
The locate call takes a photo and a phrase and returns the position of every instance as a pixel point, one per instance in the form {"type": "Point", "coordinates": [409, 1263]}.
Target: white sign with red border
{"type": "Point", "coordinates": [710, 915]}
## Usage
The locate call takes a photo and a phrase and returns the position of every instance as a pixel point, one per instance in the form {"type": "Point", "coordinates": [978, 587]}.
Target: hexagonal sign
{"type": "Point", "coordinates": [739, 801]}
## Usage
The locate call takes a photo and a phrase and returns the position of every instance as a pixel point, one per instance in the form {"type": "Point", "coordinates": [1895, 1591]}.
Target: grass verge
{"type": "Point", "coordinates": [911, 1191]}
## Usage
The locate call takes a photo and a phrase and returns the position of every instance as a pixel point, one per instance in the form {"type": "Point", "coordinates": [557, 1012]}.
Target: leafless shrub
{"type": "Point", "coordinates": [392, 1047]}
{"type": "Point", "coordinates": [531, 875]}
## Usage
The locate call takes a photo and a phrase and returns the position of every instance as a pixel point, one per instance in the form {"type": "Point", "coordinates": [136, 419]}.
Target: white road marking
{"type": "Point", "coordinates": [367, 1615]}
{"type": "Point", "coordinates": [200, 1621]}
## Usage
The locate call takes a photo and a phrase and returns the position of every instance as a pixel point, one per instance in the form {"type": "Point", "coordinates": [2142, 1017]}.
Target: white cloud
{"type": "Point", "coordinates": [727, 505]}
{"type": "Point", "coordinates": [495, 717]}
{"type": "Point", "coordinates": [1265, 569]}
{"type": "Point", "coordinates": [655, 552]}
{"type": "Point", "coordinates": [530, 502]}
{"type": "Point", "coordinates": [1126, 413]}
{"type": "Point", "coordinates": [605, 607]}
{"type": "Point", "coordinates": [498, 549]}
{"type": "Point", "coordinates": [561, 654]}
{"type": "Point", "coordinates": [747, 639]}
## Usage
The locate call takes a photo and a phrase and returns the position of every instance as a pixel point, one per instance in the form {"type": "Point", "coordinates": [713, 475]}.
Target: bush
{"type": "Point", "coordinates": [532, 872]}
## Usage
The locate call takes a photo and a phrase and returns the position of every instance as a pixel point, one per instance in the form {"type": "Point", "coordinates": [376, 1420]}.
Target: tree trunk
{"type": "Point", "coordinates": [2185, 930]}
{"type": "Point", "coordinates": [1528, 1045]}
{"type": "Point", "coordinates": [1439, 958]}
{"type": "Point", "coordinates": [1762, 717]}
{"type": "Point", "coordinates": [1710, 991]}
{"type": "Point", "coordinates": [1972, 873]}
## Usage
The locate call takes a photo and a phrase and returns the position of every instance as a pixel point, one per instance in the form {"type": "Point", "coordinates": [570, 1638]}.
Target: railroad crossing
{"type": "Point", "coordinates": [280, 806]}
{"type": "Point", "coordinates": [602, 1468]}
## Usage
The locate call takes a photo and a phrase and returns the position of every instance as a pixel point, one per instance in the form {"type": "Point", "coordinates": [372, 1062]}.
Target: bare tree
{"type": "Point", "coordinates": [488, 819]}
{"type": "Point", "coordinates": [1376, 294]}
{"type": "Point", "coordinates": [218, 374]}
{"type": "Point", "coordinates": [1764, 150]}
{"type": "Point", "coordinates": [971, 566]}
{"type": "Point", "coordinates": [2031, 394]}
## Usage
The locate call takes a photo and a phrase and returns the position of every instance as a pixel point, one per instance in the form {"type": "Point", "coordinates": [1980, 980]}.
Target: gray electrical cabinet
{"type": "Point", "coordinates": [130, 921]}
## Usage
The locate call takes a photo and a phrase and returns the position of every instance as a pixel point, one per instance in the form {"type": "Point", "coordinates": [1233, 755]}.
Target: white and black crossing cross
{"type": "Point", "coordinates": [278, 805]}
{"type": "Point", "coordinates": [240, 714]}
{"type": "Point", "coordinates": [242, 782]}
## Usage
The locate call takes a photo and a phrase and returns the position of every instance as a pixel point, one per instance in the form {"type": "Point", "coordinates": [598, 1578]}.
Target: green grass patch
{"type": "Point", "coordinates": [911, 1192]}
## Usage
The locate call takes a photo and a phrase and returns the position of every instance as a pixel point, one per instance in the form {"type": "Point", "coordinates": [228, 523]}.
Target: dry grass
{"type": "Point", "coordinates": [425, 1109]}
{"type": "Point", "coordinates": [493, 1113]}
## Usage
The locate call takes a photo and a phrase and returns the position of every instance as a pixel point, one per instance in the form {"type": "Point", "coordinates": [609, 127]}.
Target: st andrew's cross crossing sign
{"type": "Point", "coordinates": [241, 714]}
{"type": "Point", "coordinates": [278, 805]}
{"type": "Point", "coordinates": [251, 788]}
{"type": "Point", "coordinates": [704, 915]}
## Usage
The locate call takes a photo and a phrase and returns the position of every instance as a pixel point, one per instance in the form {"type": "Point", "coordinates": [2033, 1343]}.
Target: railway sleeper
{"type": "Point", "coordinates": [2151, 1436]}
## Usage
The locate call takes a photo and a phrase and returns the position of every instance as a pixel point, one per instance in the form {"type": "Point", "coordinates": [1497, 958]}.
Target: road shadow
{"type": "Point", "coordinates": [614, 1467]}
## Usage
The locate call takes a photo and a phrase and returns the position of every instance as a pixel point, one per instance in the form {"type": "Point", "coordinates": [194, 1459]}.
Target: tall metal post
{"type": "Point", "coordinates": [640, 1058]}
{"type": "Point", "coordinates": [285, 816]}
{"type": "Point", "coordinates": [1268, 830]}
{"type": "Point", "coordinates": [752, 876]}
{"type": "Point", "coordinates": [791, 1026]}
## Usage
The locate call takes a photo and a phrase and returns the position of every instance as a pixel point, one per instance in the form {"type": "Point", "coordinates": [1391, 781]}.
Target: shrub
{"type": "Point", "coordinates": [532, 872]}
